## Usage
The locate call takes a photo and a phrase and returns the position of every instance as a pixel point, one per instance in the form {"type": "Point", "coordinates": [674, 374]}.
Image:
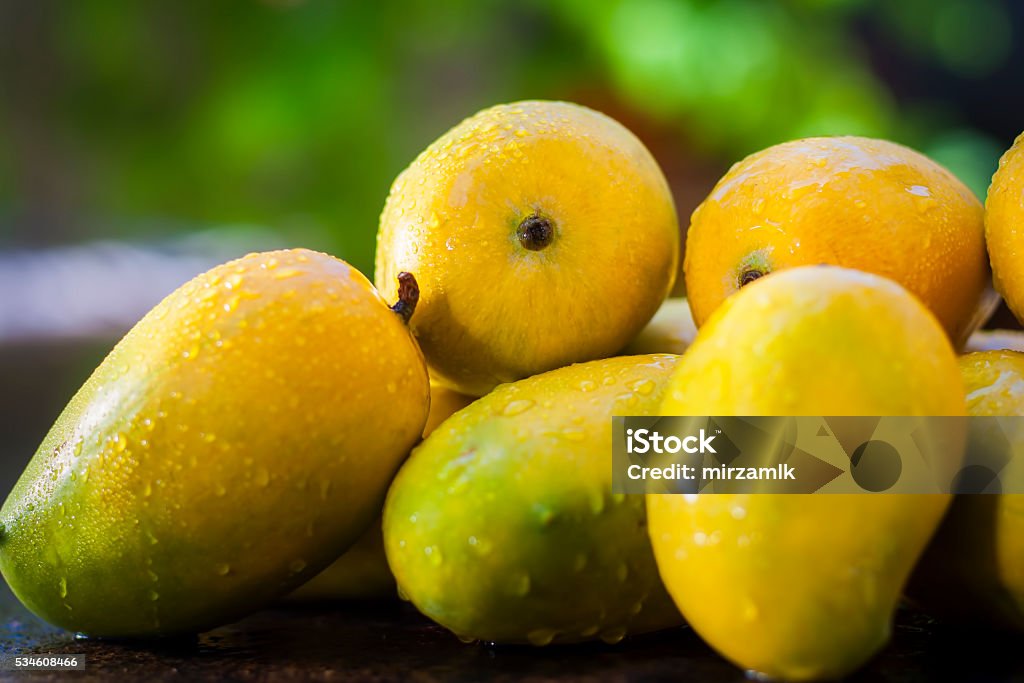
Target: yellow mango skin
{"type": "Point", "coordinates": [362, 573]}
{"type": "Point", "coordinates": [238, 438]}
{"type": "Point", "coordinates": [973, 570]}
{"type": "Point", "coordinates": [848, 201]}
{"type": "Point", "coordinates": [494, 311]}
{"type": "Point", "coordinates": [502, 526]}
{"type": "Point", "coordinates": [671, 330]}
{"type": "Point", "coordinates": [1004, 216]}
{"type": "Point", "coordinates": [803, 587]}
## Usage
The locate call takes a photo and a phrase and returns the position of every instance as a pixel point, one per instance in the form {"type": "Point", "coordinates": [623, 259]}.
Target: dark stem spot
{"type": "Point", "coordinates": [535, 232]}
{"type": "Point", "coordinates": [749, 275]}
{"type": "Point", "coordinates": [408, 296]}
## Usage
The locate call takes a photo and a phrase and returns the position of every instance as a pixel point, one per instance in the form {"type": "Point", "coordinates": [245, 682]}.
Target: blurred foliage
{"type": "Point", "coordinates": [122, 116]}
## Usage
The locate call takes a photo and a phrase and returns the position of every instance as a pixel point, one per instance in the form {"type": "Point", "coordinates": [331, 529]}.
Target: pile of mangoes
{"type": "Point", "coordinates": [255, 425]}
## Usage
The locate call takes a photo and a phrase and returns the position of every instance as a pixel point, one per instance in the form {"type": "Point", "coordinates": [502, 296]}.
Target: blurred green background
{"type": "Point", "coordinates": [142, 141]}
{"type": "Point", "coordinates": [147, 118]}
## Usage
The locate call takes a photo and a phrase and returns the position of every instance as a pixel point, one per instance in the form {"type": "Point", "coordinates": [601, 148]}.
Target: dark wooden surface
{"type": "Point", "coordinates": [389, 641]}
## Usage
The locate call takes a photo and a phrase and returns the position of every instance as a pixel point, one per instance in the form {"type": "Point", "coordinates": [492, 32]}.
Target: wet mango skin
{"type": "Point", "coordinates": [1004, 215]}
{"type": "Point", "coordinates": [502, 526]}
{"type": "Point", "coordinates": [362, 573]}
{"type": "Point", "coordinates": [803, 587]}
{"type": "Point", "coordinates": [493, 310]}
{"type": "Point", "coordinates": [850, 201]}
{"type": "Point", "coordinates": [228, 448]}
{"type": "Point", "coordinates": [973, 570]}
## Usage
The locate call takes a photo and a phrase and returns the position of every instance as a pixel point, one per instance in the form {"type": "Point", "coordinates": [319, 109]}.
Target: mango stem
{"type": "Point", "coordinates": [408, 296]}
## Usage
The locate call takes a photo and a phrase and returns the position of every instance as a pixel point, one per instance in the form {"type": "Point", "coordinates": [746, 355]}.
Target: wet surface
{"type": "Point", "coordinates": [391, 642]}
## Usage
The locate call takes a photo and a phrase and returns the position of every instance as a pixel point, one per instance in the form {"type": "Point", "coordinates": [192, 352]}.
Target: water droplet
{"type": "Point", "coordinates": [219, 489]}
{"type": "Point", "coordinates": [77, 449]}
{"type": "Point", "coordinates": [629, 399]}
{"type": "Point", "coordinates": [644, 387]}
{"type": "Point", "coordinates": [222, 569]}
{"type": "Point", "coordinates": [919, 191]}
{"type": "Point", "coordinates": [587, 385]}
{"type": "Point", "coordinates": [63, 587]}
{"type": "Point", "coordinates": [434, 553]}
{"type": "Point", "coordinates": [757, 206]}
{"type": "Point", "coordinates": [622, 572]}
{"type": "Point", "coordinates": [296, 565]}
{"type": "Point", "coordinates": [541, 636]}
{"type": "Point", "coordinates": [392, 387]}
{"type": "Point", "coordinates": [517, 407]}
{"type": "Point", "coordinates": [153, 596]}
{"type": "Point", "coordinates": [521, 585]}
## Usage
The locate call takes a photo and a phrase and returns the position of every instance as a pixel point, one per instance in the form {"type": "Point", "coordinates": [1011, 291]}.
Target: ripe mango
{"type": "Point", "coordinates": [520, 205]}
{"type": "Point", "coordinates": [848, 201]}
{"type": "Point", "coordinates": [973, 570]}
{"type": "Point", "coordinates": [235, 442]}
{"type": "Point", "coordinates": [1004, 211]}
{"type": "Point", "coordinates": [794, 586]}
{"type": "Point", "coordinates": [502, 526]}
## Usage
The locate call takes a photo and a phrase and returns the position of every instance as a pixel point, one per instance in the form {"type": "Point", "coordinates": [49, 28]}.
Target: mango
{"type": "Point", "coordinates": [794, 586]}
{"type": "Point", "coordinates": [502, 525]}
{"type": "Point", "coordinates": [236, 441]}
{"type": "Point", "coordinates": [542, 234]}
{"type": "Point", "coordinates": [847, 201]}
{"type": "Point", "coordinates": [973, 570]}
{"type": "Point", "coordinates": [1004, 211]}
